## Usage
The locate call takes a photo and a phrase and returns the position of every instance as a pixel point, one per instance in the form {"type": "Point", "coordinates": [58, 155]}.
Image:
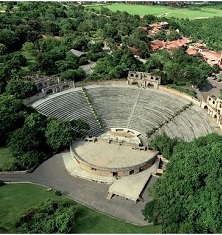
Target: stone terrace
{"type": "Point", "coordinates": [125, 106]}
{"type": "Point", "coordinates": [114, 103]}
{"type": "Point", "coordinates": [153, 108]}
{"type": "Point", "coordinates": [69, 106]}
{"type": "Point", "coordinates": [192, 123]}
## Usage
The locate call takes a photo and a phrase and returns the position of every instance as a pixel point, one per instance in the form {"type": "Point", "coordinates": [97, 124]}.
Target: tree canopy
{"type": "Point", "coordinates": [59, 134]}
{"type": "Point", "coordinates": [187, 199]}
{"type": "Point", "coordinates": [49, 217]}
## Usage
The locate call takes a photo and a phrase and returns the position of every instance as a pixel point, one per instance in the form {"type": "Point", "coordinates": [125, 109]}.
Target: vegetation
{"type": "Point", "coordinates": [49, 217]}
{"type": "Point", "coordinates": [6, 159]}
{"type": "Point", "coordinates": [188, 198]}
{"type": "Point", "coordinates": [36, 37]}
{"type": "Point", "coordinates": [21, 89]}
{"type": "Point", "coordinates": [178, 68]}
{"type": "Point", "coordinates": [30, 136]}
{"type": "Point", "coordinates": [206, 30]}
{"type": "Point", "coordinates": [192, 12]}
{"type": "Point", "coordinates": [184, 90]}
{"type": "Point", "coordinates": [16, 199]}
{"type": "Point", "coordinates": [59, 135]}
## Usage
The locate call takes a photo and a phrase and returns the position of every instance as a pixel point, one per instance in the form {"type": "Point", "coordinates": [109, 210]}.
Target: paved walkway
{"type": "Point", "coordinates": [53, 173]}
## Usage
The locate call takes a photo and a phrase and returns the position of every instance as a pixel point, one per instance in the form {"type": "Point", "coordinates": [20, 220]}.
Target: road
{"type": "Point", "coordinates": [210, 90]}
{"type": "Point", "coordinates": [52, 173]}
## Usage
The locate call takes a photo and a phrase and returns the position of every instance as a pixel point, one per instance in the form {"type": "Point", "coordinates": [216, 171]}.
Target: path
{"type": "Point", "coordinates": [133, 109]}
{"type": "Point", "coordinates": [52, 173]}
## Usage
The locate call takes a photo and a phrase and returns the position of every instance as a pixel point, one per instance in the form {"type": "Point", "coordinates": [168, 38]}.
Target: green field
{"type": "Point", "coordinates": [195, 12]}
{"type": "Point", "coordinates": [15, 198]}
{"type": "Point", "coordinates": [6, 159]}
{"type": "Point", "coordinates": [30, 61]}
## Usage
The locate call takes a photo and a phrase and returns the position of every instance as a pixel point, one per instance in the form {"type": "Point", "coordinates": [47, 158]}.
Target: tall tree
{"type": "Point", "coordinates": [59, 135]}
{"type": "Point", "coordinates": [11, 115]}
{"type": "Point", "coordinates": [187, 199]}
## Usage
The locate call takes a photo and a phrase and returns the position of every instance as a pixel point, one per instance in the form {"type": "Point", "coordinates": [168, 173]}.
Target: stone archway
{"type": "Point", "coordinates": [206, 107]}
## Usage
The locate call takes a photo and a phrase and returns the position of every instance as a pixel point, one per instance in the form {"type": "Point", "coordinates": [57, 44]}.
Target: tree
{"type": "Point", "coordinates": [161, 35]}
{"type": "Point", "coordinates": [188, 198]}
{"type": "Point", "coordinates": [3, 49]}
{"type": "Point", "coordinates": [73, 75]}
{"type": "Point", "coordinates": [21, 89]}
{"type": "Point", "coordinates": [25, 139]}
{"type": "Point", "coordinates": [59, 135]}
{"type": "Point", "coordinates": [12, 115]}
{"type": "Point", "coordinates": [10, 40]}
{"type": "Point", "coordinates": [173, 35]}
{"type": "Point", "coordinates": [49, 217]}
{"type": "Point", "coordinates": [139, 40]}
{"type": "Point", "coordinates": [46, 62]}
{"type": "Point", "coordinates": [164, 144]}
{"type": "Point", "coordinates": [80, 126]}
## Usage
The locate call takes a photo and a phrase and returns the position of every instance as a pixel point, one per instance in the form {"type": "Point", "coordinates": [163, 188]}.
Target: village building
{"type": "Point", "coordinates": [213, 105]}
{"type": "Point", "coordinates": [211, 57]}
{"type": "Point", "coordinates": [158, 44]}
{"type": "Point", "coordinates": [132, 49]}
{"type": "Point", "coordinates": [156, 27]}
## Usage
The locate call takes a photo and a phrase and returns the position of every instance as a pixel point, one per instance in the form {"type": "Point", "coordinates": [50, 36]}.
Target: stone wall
{"type": "Point", "coordinates": [143, 79]}
{"type": "Point", "coordinates": [214, 109]}
{"type": "Point", "coordinates": [110, 172]}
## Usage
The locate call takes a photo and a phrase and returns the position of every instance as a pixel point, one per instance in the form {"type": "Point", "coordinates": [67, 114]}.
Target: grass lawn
{"type": "Point", "coordinates": [6, 159]}
{"type": "Point", "coordinates": [31, 60]}
{"type": "Point", "coordinates": [15, 198]}
{"type": "Point", "coordinates": [183, 89]}
{"type": "Point", "coordinates": [191, 13]}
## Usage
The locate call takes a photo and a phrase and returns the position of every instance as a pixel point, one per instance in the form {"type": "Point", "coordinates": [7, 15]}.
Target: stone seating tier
{"type": "Point", "coordinates": [70, 106]}
{"type": "Point", "coordinates": [125, 106]}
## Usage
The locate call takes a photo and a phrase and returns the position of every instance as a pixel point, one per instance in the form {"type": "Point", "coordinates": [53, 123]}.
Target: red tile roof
{"type": "Point", "coordinates": [192, 51]}
{"type": "Point", "coordinates": [156, 44]}
{"type": "Point", "coordinates": [132, 49]}
{"type": "Point", "coordinates": [212, 55]}
{"type": "Point", "coordinates": [177, 43]}
{"type": "Point", "coordinates": [155, 29]}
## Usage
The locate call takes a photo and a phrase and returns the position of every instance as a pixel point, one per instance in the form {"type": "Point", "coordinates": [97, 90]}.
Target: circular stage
{"type": "Point", "coordinates": [112, 158]}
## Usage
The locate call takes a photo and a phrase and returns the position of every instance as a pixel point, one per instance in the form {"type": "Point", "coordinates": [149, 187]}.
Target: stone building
{"type": "Point", "coordinates": [48, 84]}
{"type": "Point", "coordinates": [213, 105]}
{"type": "Point", "coordinates": [143, 79]}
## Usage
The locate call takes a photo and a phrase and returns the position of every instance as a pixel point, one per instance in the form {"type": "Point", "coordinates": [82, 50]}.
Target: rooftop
{"type": "Point", "coordinates": [192, 51]}
{"type": "Point", "coordinates": [132, 49]}
{"type": "Point", "coordinates": [77, 53]}
{"type": "Point", "coordinates": [211, 55]}
{"type": "Point", "coordinates": [177, 43]}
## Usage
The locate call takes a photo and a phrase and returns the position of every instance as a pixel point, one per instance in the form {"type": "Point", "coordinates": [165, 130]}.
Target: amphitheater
{"type": "Point", "coordinates": [120, 116]}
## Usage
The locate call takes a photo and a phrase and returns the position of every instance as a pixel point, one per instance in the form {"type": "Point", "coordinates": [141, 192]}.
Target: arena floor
{"type": "Point", "coordinates": [103, 154]}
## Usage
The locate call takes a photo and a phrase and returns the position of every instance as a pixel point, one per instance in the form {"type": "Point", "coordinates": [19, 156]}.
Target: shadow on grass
{"type": "Point", "coordinates": [86, 220]}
